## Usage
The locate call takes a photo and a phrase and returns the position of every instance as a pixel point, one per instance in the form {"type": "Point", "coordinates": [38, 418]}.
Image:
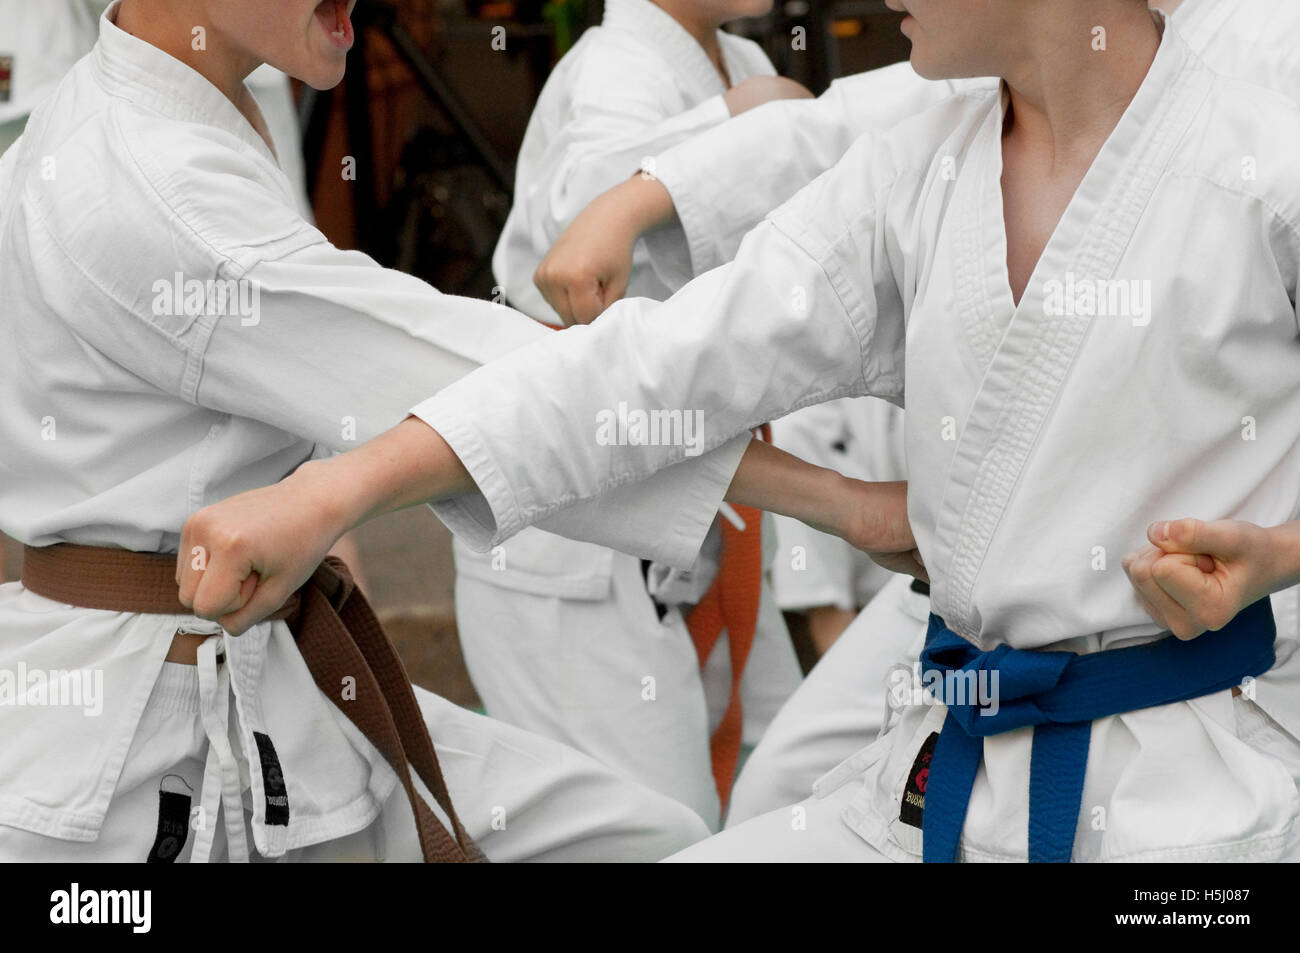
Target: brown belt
{"type": "Point", "coordinates": [337, 634]}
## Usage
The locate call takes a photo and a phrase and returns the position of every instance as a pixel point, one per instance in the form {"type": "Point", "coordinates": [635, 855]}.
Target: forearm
{"type": "Point", "coordinates": [869, 516]}
{"type": "Point", "coordinates": [770, 479]}
{"type": "Point", "coordinates": [404, 466]}
{"type": "Point", "coordinates": [640, 205]}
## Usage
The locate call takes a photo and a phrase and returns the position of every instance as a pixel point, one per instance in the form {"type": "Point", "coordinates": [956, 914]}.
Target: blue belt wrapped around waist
{"type": "Point", "coordinates": [1061, 694]}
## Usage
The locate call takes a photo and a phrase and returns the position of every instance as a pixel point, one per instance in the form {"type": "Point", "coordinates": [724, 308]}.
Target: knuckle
{"type": "Point", "coordinates": [228, 540]}
{"type": "Point", "coordinates": [205, 608]}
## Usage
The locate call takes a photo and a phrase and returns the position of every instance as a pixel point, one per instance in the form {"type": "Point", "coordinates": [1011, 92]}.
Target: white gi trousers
{"type": "Point", "coordinates": [609, 677]}
{"type": "Point", "coordinates": [521, 797]}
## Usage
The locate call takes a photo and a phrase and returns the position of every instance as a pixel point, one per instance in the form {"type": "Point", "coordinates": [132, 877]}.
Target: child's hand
{"type": "Point", "coordinates": [590, 264]}
{"type": "Point", "coordinates": [1196, 576]}
{"type": "Point", "coordinates": [879, 527]}
{"type": "Point", "coordinates": [758, 90]}
{"type": "Point", "coordinates": [242, 558]}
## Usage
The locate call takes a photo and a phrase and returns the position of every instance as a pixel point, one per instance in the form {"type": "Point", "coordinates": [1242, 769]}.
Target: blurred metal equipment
{"type": "Point", "coordinates": [451, 189]}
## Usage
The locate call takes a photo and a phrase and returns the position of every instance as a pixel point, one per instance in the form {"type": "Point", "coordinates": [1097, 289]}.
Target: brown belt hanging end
{"type": "Point", "coordinates": [337, 633]}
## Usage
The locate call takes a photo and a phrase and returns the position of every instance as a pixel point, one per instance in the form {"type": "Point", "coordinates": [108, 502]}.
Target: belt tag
{"type": "Point", "coordinates": [912, 806]}
{"type": "Point", "coordinates": [173, 820]}
{"type": "Point", "coordinates": [277, 797]}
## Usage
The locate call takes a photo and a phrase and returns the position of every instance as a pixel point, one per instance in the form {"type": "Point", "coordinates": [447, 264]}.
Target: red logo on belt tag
{"type": "Point", "coordinates": [6, 76]}
{"type": "Point", "coordinates": [912, 807]}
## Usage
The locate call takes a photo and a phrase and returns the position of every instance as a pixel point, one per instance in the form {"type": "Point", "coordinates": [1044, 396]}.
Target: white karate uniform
{"type": "Point", "coordinates": [1255, 40]}
{"type": "Point", "coordinates": [43, 40]}
{"type": "Point", "coordinates": [599, 669]}
{"type": "Point", "coordinates": [1073, 431]}
{"type": "Point", "coordinates": [125, 415]}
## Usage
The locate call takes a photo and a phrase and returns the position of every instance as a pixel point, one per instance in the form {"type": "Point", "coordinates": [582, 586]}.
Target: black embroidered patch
{"type": "Point", "coordinates": [912, 807]}
{"type": "Point", "coordinates": [277, 797]}
{"type": "Point", "coordinates": [173, 822]}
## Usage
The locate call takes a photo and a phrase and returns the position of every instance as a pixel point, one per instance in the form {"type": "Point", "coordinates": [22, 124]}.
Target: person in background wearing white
{"type": "Point", "coordinates": [563, 637]}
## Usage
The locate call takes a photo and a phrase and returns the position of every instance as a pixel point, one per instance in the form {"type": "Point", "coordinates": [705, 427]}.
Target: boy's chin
{"type": "Point", "coordinates": [927, 67]}
{"type": "Point", "coordinates": [322, 77]}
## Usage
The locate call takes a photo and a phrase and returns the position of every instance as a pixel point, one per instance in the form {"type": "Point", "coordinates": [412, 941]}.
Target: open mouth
{"type": "Point", "coordinates": [333, 16]}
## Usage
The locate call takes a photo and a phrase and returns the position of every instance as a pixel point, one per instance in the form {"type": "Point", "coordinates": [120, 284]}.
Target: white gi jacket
{"type": "Point", "coordinates": [126, 413]}
{"type": "Point", "coordinates": [1073, 427]}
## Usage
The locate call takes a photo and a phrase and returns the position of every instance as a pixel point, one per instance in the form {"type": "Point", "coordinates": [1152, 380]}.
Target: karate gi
{"type": "Point", "coordinates": [1255, 40]}
{"type": "Point", "coordinates": [125, 413]}
{"type": "Point", "coordinates": [560, 636]}
{"type": "Point", "coordinates": [43, 41]}
{"type": "Point", "coordinates": [1074, 429]}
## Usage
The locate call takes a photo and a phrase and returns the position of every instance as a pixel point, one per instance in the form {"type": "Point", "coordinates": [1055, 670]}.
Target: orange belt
{"type": "Point", "coordinates": [731, 603]}
{"type": "Point", "coordinates": [337, 634]}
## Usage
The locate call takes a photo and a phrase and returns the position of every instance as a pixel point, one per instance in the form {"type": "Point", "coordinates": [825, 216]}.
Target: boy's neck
{"type": "Point", "coordinates": [1067, 93]}
{"type": "Point", "coordinates": [704, 30]}
{"type": "Point", "coordinates": [170, 24]}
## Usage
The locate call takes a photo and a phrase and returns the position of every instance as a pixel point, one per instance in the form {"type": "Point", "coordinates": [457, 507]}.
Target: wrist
{"type": "Point", "coordinates": [326, 488]}
{"type": "Point", "coordinates": [845, 496]}
{"type": "Point", "coordinates": [645, 204]}
{"type": "Point", "coordinates": [1282, 556]}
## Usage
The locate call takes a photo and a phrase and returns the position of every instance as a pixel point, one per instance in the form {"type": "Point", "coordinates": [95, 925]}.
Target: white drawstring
{"type": "Point", "coordinates": [221, 784]}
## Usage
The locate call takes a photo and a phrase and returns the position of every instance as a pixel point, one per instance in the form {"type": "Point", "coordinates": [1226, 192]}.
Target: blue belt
{"type": "Point", "coordinates": [1061, 694]}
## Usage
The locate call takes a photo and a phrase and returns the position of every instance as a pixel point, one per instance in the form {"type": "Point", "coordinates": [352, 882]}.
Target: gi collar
{"type": "Point", "coordinates": [643, 18]}
{"type": "Point", "coordinates": [140, 73]}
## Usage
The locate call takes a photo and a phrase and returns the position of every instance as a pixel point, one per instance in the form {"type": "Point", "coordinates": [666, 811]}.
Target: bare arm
{"type": "Point", "coordinates": [240, 559]}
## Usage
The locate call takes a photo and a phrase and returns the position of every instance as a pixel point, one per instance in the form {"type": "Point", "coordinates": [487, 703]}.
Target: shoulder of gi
{"type": "Point", "coordinates": [878, 168]}
{"type": "Point", "coordinates": [1246, 139]}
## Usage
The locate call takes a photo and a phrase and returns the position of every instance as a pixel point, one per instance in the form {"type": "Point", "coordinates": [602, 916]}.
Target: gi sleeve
{"type": "Point", "coordinates": [342, 348]}
{"type": "Point", "coordinates": [604, 139]}
{"type": "Point", "coordinates": [806, 313]}
{"type": "Point", "coordinates": [207, 286]}
{"type": "Point", "coordinates": [780, 146]}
